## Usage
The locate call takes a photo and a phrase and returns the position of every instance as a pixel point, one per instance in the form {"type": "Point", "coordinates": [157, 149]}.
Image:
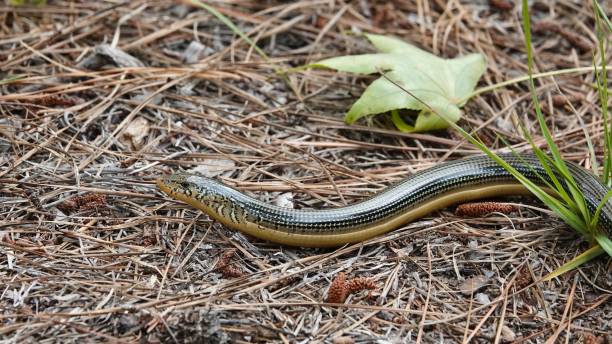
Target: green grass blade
{"type": "Point", "coordinates": [602, 90]}
{"type": "Point", "coordinates": [231, 25]}
{"type": "Point", "coordinates": [571, 207]}
{"type": "Point", "coordinates": [534, 97]}
{"type": "Point", "coordinates": [502, 84]}
{"type": "Point", "coordinates": [558, 192]}
{"type": "Point", "coordinates": [604, 242]}
{"type": "Point", "coordinates": [595, 219]}
{"type": "Point", "coordinates": [557, 187]}
{"type": "Point", "coordinates": [546, 162]}
{"type": "Point", "coordinates": [599, 12]}
{"type": "Point", "coordinates": [603, 95]}
{"type": "Point", "coordinates": [586, 256]}
{"type": "Point", "coordinates": [554, 204]}
{"type": "Point", "coordinates": [561, 167]}
{"type": "Point", "coordinates": [10, 79]}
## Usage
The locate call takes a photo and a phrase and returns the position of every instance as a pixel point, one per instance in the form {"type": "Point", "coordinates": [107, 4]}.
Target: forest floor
{"type": "Point", "coordinates": [100, 98]}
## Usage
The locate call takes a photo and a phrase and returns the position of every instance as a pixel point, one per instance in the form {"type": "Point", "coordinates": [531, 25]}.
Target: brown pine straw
{"type": "Point", "coordinates": [91, 251]}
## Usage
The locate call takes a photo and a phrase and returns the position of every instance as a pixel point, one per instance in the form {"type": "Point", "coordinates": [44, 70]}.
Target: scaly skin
{"type": "Point", "coordinates": [435, 188]}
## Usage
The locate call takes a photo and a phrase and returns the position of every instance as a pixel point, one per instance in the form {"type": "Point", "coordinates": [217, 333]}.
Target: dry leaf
{"type": "Point", "coordinates": [105, 54]}
{"type": "Point", "coordinates": [214, 167]}
{"type": "Point", "coordinates": [472, 284]}
{"type": "Point", "coordinates": [136, 132]}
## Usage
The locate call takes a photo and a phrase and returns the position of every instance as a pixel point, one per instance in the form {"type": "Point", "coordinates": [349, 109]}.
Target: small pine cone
{"type": "Point", "coordinates": [228, 254]}
{"type": "Point", "coordinates": [523, 279]}
{"type": "Point", "coordinates": [224, 266]}
{"type": "Point", "coordinates": [358, 284]}
{"type": "Point", "coordinates": [231, 271]}
{"type": "Point", "coordinates": [337, 290]}
{"type": "Point", "coordinates": [476, 209]}
{"type": "Point", "coordinates": [91, 201]}
{"type": "Point", "coordinates": [225, 259]}
{"type": "Point", "coordinates": [68, 206]}
{"type": "Point", "coordinates": [58, 100]}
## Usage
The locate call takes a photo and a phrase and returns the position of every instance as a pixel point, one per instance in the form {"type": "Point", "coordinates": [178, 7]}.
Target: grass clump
{"type": "Point", "coordinates": [563, 194]}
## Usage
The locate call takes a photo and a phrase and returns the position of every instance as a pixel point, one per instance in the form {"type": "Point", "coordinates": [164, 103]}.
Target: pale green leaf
{"type": "Point", "coordinates": [444, 84]}
{"type": "Point", "coordinates": [387, 44]}
{"type": "Point", "coordinates": [426, 120]}
{"type": "Point", "coordinates": [360, 64]}
{"type": "Point", "coordinates": [466, 71]}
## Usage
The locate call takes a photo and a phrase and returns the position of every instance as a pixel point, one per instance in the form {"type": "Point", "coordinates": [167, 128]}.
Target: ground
{"type": "Point", "coordinates": [98, 99]}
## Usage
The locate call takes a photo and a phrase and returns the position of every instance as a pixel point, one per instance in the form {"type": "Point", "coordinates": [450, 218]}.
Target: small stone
{"type": "Point", "coordinates": [483, 298]}
{"type": "Point", "coordinates": [285, 200]}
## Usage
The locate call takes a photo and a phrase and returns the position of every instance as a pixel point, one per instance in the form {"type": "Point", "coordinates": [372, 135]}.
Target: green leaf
{"type": "Point", "coordinates": [426, 120]}
{"type": "Point", "coordinates": [444, 84]}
